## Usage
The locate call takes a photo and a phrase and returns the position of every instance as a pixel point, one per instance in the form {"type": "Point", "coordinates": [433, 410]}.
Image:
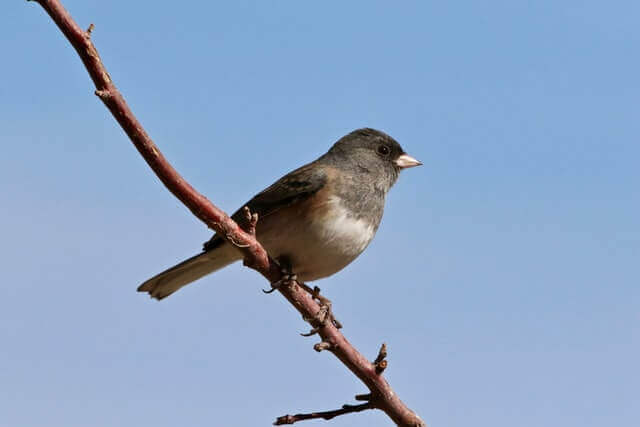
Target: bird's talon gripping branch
{"type": "Point", "coordinates": [311, 333]}
{"type": "Point", "coordinates": [320, 319]}
{"type": "Point", "coordinates": [325, 313]}
{"type": "Point", "coordinates": [288, 277]}
{"type": "Point", "coordinates": [285, 280]}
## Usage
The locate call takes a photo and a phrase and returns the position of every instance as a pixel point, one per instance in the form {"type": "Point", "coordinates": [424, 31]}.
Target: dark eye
{"type": "Point", "coordinates": [383, 150]}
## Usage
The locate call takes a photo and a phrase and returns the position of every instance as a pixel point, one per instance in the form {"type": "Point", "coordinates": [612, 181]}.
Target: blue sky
{"type": "Point", "coordinates": [504, 277]}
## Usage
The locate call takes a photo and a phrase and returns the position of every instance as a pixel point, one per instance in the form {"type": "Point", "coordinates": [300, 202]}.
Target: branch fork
{"type": "Point", "coordinates": [372, 400]}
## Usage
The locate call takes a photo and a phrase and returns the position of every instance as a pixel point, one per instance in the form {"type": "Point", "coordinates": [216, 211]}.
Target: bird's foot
{"type": "Point", "coordinates": [287, 279]}
{"type": "Point", "coordinates": [324, 315]}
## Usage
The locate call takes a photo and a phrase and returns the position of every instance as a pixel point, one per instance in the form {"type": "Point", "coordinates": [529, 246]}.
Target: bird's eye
{"type": "Point", "coordinates": [383, 150]}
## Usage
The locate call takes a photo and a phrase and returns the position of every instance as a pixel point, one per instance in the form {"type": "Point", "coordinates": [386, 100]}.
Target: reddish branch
{"type": "Point", "coordinates": [382, 396]}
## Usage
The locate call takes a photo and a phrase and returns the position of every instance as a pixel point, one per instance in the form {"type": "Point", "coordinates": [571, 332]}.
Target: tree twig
{"type": "Point", "coordinates": [381, 363]}
{"type": "Point", "coordinates": [327, 415]}
{"type": "Point", "coordinates": [254, 254]}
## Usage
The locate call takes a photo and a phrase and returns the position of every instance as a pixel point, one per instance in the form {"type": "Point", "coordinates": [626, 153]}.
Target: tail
{"type": "Point", "coordinates": [190, 270]}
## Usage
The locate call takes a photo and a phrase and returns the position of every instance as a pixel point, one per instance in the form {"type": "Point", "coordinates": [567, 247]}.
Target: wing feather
{"type": "Point", "coordinates": [294, 187]}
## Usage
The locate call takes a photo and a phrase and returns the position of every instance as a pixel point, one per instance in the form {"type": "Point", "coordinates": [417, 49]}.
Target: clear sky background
{"type": "Point", "coordinates": [504, 277]}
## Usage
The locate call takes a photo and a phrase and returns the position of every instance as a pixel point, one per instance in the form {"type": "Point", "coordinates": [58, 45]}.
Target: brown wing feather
{"type": "Point", "coordinates": [291, 188]}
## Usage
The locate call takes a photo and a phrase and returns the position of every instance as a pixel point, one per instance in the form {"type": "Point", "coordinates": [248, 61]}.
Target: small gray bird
{"type": "Point", "coordinates": [319, 217]}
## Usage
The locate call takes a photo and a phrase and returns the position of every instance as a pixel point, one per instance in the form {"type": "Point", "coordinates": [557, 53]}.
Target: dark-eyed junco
{"type": "Point", "coordinates": [320, 216]}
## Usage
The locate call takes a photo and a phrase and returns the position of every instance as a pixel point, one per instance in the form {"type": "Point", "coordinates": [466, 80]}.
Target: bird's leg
{"type": "Point", "coordinates": [288, 276]}
{"type": "Point", "coordinates": [325, 314]}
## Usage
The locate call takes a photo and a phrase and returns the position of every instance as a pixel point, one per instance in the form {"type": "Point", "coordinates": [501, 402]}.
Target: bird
{"type": "Point", "coordinates": [319, 217]}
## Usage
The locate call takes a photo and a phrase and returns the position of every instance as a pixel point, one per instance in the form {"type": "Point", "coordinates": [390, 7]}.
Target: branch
{"type": "Point", "coordinates": [255, 257]}
{"type": "Point", "coordinates": [326, 415]}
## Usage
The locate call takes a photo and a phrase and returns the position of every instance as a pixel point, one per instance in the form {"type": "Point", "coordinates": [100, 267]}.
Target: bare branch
{"type": "Point", "coordinates": [365, 397]}
{"type": "Point", "coordinates": [327, 415]}
{"type": "Point", "coordinates": [254, 254]}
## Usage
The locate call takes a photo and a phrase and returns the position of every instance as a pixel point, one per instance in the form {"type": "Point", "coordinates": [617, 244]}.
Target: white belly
{"type": "Point", "coordinates": [321, 246]}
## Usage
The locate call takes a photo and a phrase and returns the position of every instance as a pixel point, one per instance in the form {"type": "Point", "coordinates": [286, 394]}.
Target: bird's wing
{"type": "Point", "coordinates": [291, 188]}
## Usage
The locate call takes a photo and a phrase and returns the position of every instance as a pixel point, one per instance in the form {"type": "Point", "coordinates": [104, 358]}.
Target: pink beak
{"type": "Point", "coordinates": [406, 161]}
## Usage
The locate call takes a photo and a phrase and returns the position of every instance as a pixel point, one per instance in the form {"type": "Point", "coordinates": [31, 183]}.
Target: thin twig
{"type": "Point", "coordinates": [327, 415]}
{"type": "Point", "coordinates": [321, 346]}
{"type": "Point", "coordinates": [380, 363]}
{"type": "Point", "coordinates": [252, 220]}
{"type": "Point", "coordinates": [382, 354]}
